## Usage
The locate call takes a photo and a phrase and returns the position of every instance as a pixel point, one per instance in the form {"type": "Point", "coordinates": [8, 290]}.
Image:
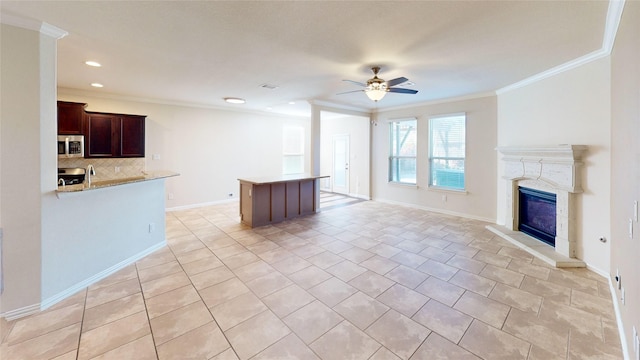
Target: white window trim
{"type": "Point", "coordinates": [442, 188]}
{"type": "Point", "coordinates": [389, 181]}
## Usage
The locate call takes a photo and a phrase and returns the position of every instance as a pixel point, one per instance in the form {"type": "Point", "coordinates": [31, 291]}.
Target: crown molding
{"type": "Point", "coordinates": [117, 97]}
{"type": "Point", "coordinates": [438, 101]}
{"type": "Point", "coordinates": [34, 25]}
{"type": "Point", "coordinates": [331, 106]}
{"type": "Point", "coordinates": [52, 31]}
{"type": "Point", "coordinates": [614, 13]}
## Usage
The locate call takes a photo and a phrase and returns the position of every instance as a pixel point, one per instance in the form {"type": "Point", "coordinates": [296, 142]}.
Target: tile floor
{"type": "Point", "coordinates": [363, 281]}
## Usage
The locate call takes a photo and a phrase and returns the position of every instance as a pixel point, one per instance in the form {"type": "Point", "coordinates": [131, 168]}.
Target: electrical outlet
{"type": "Point", "coordinates": [622, 295]}
{"type": "Point", "coordinates": [230, 194]}
{"type": "Point", "coordinates": [170, 196]}
{"type": "Point", "coordinates": [618, 279]}
{"type": "Point", "coordinates": [630, 228]}
{"type": "Point", "coordinates": [152, 227]}
{"type": "Point", "coordinates": [444, 198]}
{"type": "Point", "coordinates": [155, 157]}
{"type": "Point", "coordinates": [117, 169]}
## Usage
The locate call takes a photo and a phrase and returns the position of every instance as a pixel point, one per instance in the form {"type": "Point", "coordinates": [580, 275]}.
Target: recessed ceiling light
{"type": "Point", "coordinates": [93, 63]}
{"type": "Point", "coordinates": [234, 100]}
{"type": "Point", "coordinates": [98, 85]}
{"type": "Point", "coordinates": [292, 102]}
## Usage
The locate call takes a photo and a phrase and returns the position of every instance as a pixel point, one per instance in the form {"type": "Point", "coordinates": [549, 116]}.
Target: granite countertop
{"type": "Point", "coordinates": [100, 184]}
{"type": "Point", "coordinates": [281, 178]}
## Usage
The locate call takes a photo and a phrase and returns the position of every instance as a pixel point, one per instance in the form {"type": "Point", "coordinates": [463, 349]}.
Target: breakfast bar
{"type": "Point", "coordinates": [266, 201]}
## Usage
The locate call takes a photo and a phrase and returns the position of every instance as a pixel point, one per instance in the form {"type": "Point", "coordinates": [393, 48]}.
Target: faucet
{"type": "Point", "coordinates": [90, 171]}
{"type": "Point", "coordinates": [61, 180]}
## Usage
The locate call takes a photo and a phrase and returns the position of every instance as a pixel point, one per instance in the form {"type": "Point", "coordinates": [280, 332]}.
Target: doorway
{"type": "Point", "coordinates": [344, 154]}
{"type": "Point", "coordinates": [340, 167]}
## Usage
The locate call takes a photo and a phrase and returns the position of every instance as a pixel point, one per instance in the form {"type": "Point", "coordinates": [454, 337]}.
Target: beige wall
{"type": "Point", "coordinates": [357, 127]}
{"type": "Point", "coordinates": [570, 108]}
{"type": "Point", "coordinates": [480, 166]}
{"type": "Point", "coordinates": [210, 148]}
{"type": "Point", "coordinates": [20, 122]}
{"type": "Point", "coordinates": [625, 165]}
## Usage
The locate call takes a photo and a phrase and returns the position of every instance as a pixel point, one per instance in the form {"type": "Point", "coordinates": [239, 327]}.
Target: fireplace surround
{"type": "Point", "coordinates": [551, 169]}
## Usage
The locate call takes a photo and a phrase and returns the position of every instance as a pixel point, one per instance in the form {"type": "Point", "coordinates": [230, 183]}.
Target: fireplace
{"type": "Point", "coordinates": [551, 179]}
{"type": "Point", "coordinates": [537, 214]}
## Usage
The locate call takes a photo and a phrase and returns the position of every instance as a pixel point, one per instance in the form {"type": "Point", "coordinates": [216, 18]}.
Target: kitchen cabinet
{"type": "Point", "coordinates": [71, 118]}
{"type": "Point", "coordinates": [132, 136]}
{"type": "Point", "coordinates": [114, 135]}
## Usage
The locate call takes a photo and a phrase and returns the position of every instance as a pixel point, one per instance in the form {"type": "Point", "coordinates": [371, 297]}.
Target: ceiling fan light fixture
{"type": "Point", "coordinates": [376, 90]}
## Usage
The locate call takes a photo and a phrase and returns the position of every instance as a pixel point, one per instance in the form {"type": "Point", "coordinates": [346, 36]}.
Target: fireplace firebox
{"type": "Point", "coordinates": [537, 214]}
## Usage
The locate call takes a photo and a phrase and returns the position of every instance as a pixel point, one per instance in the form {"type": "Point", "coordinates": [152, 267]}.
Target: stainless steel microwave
{"type": "Point", "coordinates": [70, 146]}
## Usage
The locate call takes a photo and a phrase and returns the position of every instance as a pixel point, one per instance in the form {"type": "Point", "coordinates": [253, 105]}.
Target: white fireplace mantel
{"type": "Point", "coordinates": [554, 169]}
{"type": "Point", "coordinates": [555, 165]}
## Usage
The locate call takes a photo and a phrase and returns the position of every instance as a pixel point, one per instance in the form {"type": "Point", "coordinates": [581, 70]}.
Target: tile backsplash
{"type": "Point", "coordinates": [106, 168]}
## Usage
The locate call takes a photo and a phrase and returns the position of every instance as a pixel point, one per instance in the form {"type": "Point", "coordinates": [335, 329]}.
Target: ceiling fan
{"type": "Point", "coordinates": [376, 88]}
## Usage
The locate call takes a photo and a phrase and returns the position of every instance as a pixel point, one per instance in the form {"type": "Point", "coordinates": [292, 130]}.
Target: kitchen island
{"type": "Point", "coordinates": [271, 200]}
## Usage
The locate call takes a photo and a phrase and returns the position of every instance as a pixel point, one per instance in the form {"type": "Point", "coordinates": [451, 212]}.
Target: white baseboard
{"type": "Point", "coordinates": [360, 196]}
{"type": "Point", "coordinates": [199, 205]}
{"type": "Point", "coordinates": [99, 276]}
{"type": "Point", "coordinates": [616, 308]}
{"type": "Point", "coordinates": [21, 312]}
{"type": "Point", "coordinates": [604, 274]}
{"type": "Point", "coordinates": [441, 211]}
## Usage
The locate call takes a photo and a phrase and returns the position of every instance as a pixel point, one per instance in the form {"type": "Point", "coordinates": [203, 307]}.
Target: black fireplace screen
{"type": "Point", "coordinates": [537, 214]}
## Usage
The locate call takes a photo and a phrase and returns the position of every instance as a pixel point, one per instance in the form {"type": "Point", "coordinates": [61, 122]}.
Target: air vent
{"type": "Point", "coordinates": [269, 86]}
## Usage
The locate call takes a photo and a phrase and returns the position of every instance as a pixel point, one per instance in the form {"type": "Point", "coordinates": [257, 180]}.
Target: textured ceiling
{"type": "Point", "coordinates": [198, 52]}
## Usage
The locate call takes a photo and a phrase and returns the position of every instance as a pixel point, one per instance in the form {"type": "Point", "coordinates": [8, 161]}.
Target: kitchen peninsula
{"type": "Point", "coordinates": [271, 200]}
{"type": "Point", "coordinates": [100, 229]}
{"type": "Point", "coordinates": [145, 176]}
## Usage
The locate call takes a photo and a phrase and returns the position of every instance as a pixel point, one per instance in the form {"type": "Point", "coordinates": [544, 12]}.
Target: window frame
{"type": "Point", "coordinates": [290, 155]}
{"type": "Point", "coordinates": [393, 157]}
{"type": "Point", "coordinates": [431, 158]}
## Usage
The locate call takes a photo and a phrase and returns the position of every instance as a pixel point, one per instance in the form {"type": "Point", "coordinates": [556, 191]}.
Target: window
{"type": "Point", "coordinates": [292, 150]}
{"type": "Point", "coordinates": [402, 154]}
{"type": "Point", "coordinates": [447, 151]}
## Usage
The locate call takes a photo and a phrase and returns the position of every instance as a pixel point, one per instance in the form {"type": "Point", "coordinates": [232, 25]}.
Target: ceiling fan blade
{"type": "Point", "coordinates": [403, 91]}
{"type": "Point", "coordinates": [356, 82]}
{"type": "Point", "coordinates": [396, 81]}
{"type": "Point", "coordinates": [348, 92]}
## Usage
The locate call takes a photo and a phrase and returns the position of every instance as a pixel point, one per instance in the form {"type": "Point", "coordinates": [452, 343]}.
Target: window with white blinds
{"type": "Point", "coordinates": [403, 141]}
{"type": "Point", "coordinates": [447, 146]}
{"type": "Point", "coordinates": [292, 150]}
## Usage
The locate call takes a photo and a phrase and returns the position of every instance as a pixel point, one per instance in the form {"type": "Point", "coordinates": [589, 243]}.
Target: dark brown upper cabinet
{"type": "Point", "coordinates": [114, 135]}
{"type": "Point", "coordinates": [106, 135]}
{"type": "Point", "coordinates": [132, 136]}
{"type": "Point", "coordinates": [71, 118]}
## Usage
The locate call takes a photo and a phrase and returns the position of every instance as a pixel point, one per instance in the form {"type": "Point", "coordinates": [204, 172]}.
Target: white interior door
{"type": "Point", "coordinates": [340, 173]}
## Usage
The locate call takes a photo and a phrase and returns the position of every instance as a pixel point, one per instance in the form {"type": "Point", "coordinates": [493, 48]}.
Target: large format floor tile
{"type": "Point", "coordinates": [358, 280]}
